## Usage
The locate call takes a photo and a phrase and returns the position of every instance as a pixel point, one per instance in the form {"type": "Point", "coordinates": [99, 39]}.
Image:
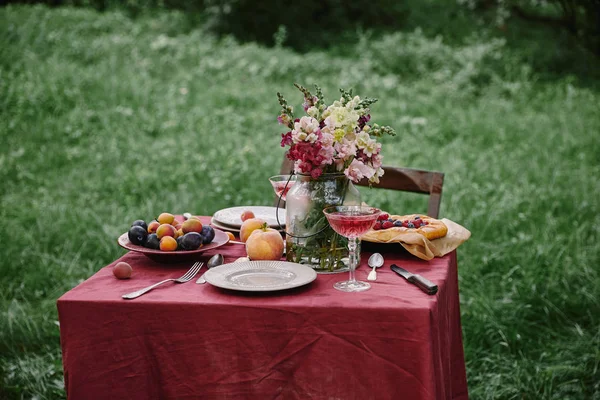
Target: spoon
{"type": "Point", "coordinates": [214, 261]}
{"type": "Point", "coordinates": [375, 261]}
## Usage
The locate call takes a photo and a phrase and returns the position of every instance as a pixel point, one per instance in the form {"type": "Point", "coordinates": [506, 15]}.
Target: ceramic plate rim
{"type": "Point", "coordinates": [239, 209]}
{"type": "Point", "coordinates": [221, 238]}
{"type": "Point", "coordinates": [216, 276]}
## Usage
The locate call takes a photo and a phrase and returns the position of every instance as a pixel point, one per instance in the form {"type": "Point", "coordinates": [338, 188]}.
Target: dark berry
{"type": "Point", "coordinates": [417, 217]}
{"type": "Point", "coordinates": [397, 223]}
{"type": "Point", "coordinates": [410, 225]}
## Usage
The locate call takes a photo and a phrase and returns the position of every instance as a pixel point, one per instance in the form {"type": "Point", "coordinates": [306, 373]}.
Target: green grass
{"type": "Point", "coordinates": [107, 119]}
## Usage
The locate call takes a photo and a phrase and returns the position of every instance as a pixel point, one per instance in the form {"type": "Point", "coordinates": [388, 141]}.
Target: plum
{"type": "Point", "coordinates": [208, 233]}
{"type": "Point", "coordinates": [140, 222]}
{"type": "Point", "coordinates": [137, 235]}
{"type": "Point", "coordinates": [191, 241]}
{"type": "Point", "coordinates": [153, 242]}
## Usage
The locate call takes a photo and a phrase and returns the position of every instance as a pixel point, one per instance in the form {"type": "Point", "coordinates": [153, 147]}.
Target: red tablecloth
{"type": "Point", "coordinates": [189, 341]}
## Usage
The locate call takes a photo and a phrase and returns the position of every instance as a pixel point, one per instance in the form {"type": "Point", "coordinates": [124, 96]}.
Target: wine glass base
{"type": "Point", "coordinates": [352, 286]}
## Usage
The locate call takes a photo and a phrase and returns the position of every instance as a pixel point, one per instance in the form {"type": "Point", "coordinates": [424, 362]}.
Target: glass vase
{"type": "Point", "coordinates": [309, 238]}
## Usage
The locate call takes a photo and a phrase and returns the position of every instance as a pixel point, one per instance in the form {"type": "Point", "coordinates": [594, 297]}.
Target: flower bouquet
{"type": "Point", "coordinates": [331, 147]}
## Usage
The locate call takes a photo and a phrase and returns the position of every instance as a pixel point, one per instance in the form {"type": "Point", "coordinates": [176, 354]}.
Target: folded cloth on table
{"type": "Point", "coordinates": [424, 248]}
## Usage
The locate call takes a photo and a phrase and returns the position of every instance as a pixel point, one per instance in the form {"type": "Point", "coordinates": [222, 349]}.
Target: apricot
{"type": "Point", "coordinates": [247, 214]}
{"type": "Point", "coordinates": [230, 235]}
{"type": "Point", "coordinates": [153, 226]}
{"type": "Point", "coordinates": [264, 243]}
{"type": "Point", "coordinates": [168, 243]}
{"type": "Point", "coordinates": [248, 226]}
{"type": "Point", "coordinates": [122, 270]}
{"type": "Point", "coordinates": [166, 218]}
{"type": "Point", "coordinates": [192, 225]}
{"type": "Point", "coordinates": [178, 233]}
{"type": "Point", "coordinates": [165, 230]}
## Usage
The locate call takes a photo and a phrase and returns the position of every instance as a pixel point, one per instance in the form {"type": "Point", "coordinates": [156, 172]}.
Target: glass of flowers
{"type": "Point", "coordinates": [331, 146]}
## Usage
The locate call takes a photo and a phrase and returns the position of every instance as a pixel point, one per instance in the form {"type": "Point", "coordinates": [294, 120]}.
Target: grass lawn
{"type": "Point", "coordinates": [105, 120]}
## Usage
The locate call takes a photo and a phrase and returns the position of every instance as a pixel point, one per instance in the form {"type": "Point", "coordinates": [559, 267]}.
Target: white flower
{"type": "Point", "coordinates": [313, 112]}
{"type": "Point", "coordinates": [305, 130]}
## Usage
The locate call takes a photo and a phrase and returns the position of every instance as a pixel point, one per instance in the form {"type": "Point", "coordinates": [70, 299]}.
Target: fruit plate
{"type": "Point", "coordinates": [260, 276]}
{"type": "Point", "coordinates": [160, 256]}
{"type": "Point", "coordinates": [232, 216]}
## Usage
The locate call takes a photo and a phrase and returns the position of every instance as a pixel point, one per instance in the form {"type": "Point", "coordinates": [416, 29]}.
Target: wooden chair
{"type": "Point", "coordinates": [403, 179]}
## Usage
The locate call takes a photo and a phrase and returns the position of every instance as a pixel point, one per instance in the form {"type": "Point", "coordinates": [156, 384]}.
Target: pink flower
{"type": "Point", "coordinates": [358, 170]}
{"type": "Point", "coordinates": [286, 139]}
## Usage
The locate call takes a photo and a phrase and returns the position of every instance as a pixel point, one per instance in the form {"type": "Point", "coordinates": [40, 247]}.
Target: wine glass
{"type": "Point", "coordinates": [352, 222]}
{"type": "Point", "coordinates": [282, 184]}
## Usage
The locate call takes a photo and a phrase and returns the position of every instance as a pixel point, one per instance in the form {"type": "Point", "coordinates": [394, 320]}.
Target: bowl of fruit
{"type": "Point", "coordinates": [171, 239]}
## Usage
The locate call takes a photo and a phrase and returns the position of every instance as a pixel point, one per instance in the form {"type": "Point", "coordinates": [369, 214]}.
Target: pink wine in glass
{"type": "Point", "coordinates": [281, 189]}
{"type": "Point", "coordinates": [352, 222]}
{"type": "Point", "coordinates": [351, 225]}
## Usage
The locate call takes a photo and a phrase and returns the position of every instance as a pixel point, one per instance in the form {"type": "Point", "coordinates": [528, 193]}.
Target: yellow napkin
{"type": "Point", "coordinates": [424, 248]}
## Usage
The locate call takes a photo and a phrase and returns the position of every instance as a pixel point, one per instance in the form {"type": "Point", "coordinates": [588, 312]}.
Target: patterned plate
{"type": "Point", "coordinates": [260, 276]}
{"type": "Point", "coordinates": [232, 216]}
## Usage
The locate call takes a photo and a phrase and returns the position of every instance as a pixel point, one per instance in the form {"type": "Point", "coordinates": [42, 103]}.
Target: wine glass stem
{"type": "Point", "coordinates": [353, 258]}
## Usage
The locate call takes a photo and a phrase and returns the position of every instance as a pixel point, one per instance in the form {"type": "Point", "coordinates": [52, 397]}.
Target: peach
{"type": "Point", "coordinates": [122, 270]}
{"type": "Point", "coordinates": [192, 225]}
{"type": "Point", "coordinates": [168, 243]}
{"type": "Point", "coordinates": [153, 226]}
{"type": "Point", "coordinates": [264, 244]}
{"type": "Point", "coordinates": [248, 226]}
{"type": "Point", "coordinates": [166, 218]}
{"type": "Point", "coordinates": [247, 214]}
{"type": "Point", "coordinates": [165, 230]}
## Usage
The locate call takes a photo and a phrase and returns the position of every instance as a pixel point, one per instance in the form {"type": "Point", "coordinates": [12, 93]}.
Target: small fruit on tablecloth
{"type": "Point", "coordinates": [208, 233]}
{"type": "Point", "coordinates": [122, 270]}
{"type": "Point", "coordinates": [137, 235]}
{"type": "Point", "coordinates": [247, 214]}
{"type": "Point", "coordinates": [168, 243]}
{"type": "Point", "coordinates": [166, 218]}
{"type": "Point", "coordinates": [153, 242]}
{"type": "Point", "coordinates": [230, 235]}
{"type": "Point", "coordinates": [192, 225]}
{"type": "Point", "coordinates": [165, 230]}
{"type": "Point", "coordinates": [191, 241]}
{"type": "Point", "coordinates": [140, 222]}
{"type": "Point", "coordinates": [264, 243]}
{"type": "Point", "coordinates": [248, 226]}
{"type": "Point", "coordinates": [153, 226]}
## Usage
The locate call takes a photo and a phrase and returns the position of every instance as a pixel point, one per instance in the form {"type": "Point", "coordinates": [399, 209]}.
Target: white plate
{"type": "Point", "coordinates": [260, 276]}
{"type": "Point", "coordinates": [224, 227]}
{"type": "Point", "coordinates": [232, 216]}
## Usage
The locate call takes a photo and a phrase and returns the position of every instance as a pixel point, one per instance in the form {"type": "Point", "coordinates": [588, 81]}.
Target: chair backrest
{"type": "Point", "coordinates": [402, 179]}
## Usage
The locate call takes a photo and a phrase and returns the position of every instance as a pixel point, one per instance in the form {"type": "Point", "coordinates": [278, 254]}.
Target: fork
{"type": "Point", "coordinates": [185, 278]}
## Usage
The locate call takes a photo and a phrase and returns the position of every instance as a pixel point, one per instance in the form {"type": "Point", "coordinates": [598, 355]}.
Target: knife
{"type": "Point", "coordinates": [424, 284]}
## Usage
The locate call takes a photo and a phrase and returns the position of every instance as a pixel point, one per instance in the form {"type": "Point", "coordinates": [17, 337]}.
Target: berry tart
{"type": "Point", "coordinates": [389, 228]}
